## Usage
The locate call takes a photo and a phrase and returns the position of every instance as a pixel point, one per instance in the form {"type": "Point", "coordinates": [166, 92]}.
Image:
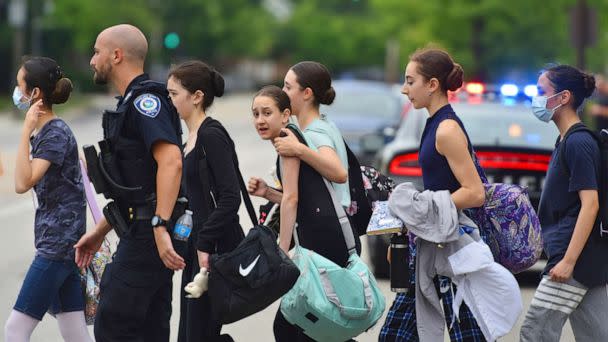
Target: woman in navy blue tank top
{"type": "Point", "coordinates": [445, 159]}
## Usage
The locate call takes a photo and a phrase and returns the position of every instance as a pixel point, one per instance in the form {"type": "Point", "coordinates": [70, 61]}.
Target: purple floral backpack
{"type": "Point", "coordinates": [508, 224]}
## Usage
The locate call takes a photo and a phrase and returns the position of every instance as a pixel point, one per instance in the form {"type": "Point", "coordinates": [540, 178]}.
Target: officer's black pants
{"type": "Point", "coordinates": [135, 295]}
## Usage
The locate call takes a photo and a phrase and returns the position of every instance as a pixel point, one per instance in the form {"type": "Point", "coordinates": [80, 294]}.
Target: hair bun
{"type": "Point", "coordinates": [62, 91]}
{"type": "Point", "coordinates": [454, 79]}
{"type": "Point", "coordinates": [329, 96]}
{"type": "Point", "coordinates": [58, 73]}
{"type": "Point", "coordinates": [589, 84]}
{"type": "Point", "coordinates": [218, 83]}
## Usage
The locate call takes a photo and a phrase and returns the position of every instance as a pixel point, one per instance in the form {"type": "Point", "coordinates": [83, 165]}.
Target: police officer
{"type": "Point", "coordinates": [142, 163]}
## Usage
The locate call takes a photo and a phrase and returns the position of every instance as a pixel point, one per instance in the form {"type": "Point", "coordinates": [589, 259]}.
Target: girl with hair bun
{"type": "Point", "coordinates": [303, 197]}
{"type": "Point", "coordinates": [193, 86]}
{"type": "Point", "coordinates": [446, 162]}
{"type": "Point", "coordinates": [574, 280]}
{"type": "Point", "coordinates": [308, 85]}
{"type": "Point", "coordinates": [52, 282]}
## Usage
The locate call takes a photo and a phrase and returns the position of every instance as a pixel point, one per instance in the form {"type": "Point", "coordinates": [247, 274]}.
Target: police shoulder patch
{"type": "Point", "coordinates": [147, 104]}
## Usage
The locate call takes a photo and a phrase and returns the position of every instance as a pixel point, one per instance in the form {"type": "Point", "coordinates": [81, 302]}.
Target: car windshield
{"type": "Point", "coordinates": [353, 103]}
{"type": "Point", "coordinates": [500, 125]}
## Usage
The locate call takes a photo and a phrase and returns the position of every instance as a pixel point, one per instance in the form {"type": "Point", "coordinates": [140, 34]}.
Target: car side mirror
{"type": "Point", "coordinates": [371, 143]}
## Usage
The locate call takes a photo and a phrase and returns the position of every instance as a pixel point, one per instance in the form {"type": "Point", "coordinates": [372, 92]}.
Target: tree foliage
{"type": "Point", "coordinates": [492, 39]}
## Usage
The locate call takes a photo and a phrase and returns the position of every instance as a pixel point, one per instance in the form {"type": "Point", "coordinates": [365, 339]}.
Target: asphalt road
{"type": "Point", "coordinates": [256, 158]}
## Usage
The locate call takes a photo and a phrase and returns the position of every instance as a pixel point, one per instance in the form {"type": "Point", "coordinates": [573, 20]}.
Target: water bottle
{"type": "Point", "coordinates": [399, 268]}
{"type": "Point", "coordinates": [181, 233]}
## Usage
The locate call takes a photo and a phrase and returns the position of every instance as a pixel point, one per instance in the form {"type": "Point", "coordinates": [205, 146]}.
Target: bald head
{"type": "Point", "coordinates": [129, 39]}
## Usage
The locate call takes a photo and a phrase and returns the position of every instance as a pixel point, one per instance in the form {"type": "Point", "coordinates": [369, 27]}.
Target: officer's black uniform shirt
{"type": "Point", "coordinates": [149, 118]}
{"type": "Point", "coordinates": [153, 126]}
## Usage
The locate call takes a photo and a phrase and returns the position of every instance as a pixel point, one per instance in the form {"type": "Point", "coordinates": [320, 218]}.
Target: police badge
{"type": "Point", "coordinates": [148, 105]}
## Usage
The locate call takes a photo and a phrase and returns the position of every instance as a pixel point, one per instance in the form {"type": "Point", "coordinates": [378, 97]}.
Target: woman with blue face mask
{"type": "Point", "coordinates": [574, 283]}
{"type": "Point", "coordinates": [52, 283]}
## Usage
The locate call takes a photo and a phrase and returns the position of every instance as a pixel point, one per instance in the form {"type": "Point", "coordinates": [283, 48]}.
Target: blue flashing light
{"type": "Point", "coordinates": [509, 90]}
{"type": "Point", "coordinates": [509, 101]}
{"type": "Point", "coordinates": [531, 90]}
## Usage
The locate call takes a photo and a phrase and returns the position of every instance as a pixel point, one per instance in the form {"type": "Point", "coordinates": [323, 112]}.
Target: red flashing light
{"type": "Point", "coordinates": [405, 165]}
{"type": "Point", "coordinates": [475, 88]}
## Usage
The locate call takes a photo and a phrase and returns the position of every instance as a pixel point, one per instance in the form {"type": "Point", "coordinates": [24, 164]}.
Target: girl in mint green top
{"type": "Point", "coordinates": [308, 85]}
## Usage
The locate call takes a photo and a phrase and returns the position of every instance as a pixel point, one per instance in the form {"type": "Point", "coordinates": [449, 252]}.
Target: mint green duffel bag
{"type": "Point", "coordinates": [328, 302]}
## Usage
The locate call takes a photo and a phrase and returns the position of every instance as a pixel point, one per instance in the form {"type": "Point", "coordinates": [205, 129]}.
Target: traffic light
{"type": "Point", "coordinates": [172, 40]}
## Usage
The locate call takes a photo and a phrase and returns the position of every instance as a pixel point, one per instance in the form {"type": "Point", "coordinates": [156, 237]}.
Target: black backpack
{"type": "Point", "coordinates": [602, 140]}
{"type": "Point", "coordinates": [367, 186]}
{"type": "Point", "coordinates": [361, 211]}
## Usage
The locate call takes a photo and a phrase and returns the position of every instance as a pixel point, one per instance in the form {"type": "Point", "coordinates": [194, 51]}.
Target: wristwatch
{"type": "Point", "coordinates": [158, 221]}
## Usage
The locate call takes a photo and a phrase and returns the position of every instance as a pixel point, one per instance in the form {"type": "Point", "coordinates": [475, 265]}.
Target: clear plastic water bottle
{"type": "Point", "coordinates": [181, 233]}
{"type": "Point", "coordinates": [183, 227]}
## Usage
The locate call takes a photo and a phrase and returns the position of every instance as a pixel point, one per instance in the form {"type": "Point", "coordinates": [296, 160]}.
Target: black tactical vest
{"type": "Point", "coordinates": [126, 159]}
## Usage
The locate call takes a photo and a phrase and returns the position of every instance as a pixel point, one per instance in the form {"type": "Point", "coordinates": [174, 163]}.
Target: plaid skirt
{"type": "Point", "coordinates": [400, 324]}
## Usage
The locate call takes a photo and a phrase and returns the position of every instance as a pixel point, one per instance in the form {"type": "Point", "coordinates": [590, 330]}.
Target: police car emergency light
{"type": "Point", "coordinates": [531, 90]}
{"type": "Point", "coordinates": [509, 90]}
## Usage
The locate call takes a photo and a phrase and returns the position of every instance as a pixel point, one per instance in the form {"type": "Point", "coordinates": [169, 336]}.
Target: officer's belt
{"type": "Point", "coordinates": [142, 212]}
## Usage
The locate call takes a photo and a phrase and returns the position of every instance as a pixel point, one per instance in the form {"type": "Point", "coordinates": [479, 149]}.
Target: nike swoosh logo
{"type": "Point", "coordinates": [245, 271]}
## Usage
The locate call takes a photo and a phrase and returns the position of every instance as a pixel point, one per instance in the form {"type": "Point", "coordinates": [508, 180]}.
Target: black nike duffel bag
{"type": "Point", "coordinates": [251, 277]}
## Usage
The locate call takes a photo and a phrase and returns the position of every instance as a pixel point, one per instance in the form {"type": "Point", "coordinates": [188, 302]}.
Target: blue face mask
{"type": "Point", "coordinates": [540, 110]}
{"type": "Point", "coordinates": [17, 96]}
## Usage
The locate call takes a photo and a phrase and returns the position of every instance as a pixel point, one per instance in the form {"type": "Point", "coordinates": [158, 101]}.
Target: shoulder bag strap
{"type": "Point", "coordinates": [244, 193]}
{"type": "Point", "coordinates": [204, 170]}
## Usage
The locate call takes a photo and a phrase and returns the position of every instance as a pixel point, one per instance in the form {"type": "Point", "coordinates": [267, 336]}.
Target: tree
{"type": "Point", "coordinates": [221, 30]}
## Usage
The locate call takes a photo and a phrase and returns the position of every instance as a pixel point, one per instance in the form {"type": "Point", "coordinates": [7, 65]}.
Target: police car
{"type": "Point", "coordinates": [512, 145]}
{"type": "Point", "coordinates": [364, 108]}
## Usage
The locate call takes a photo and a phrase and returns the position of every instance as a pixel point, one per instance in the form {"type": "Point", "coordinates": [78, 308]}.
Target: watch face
{"type": "Point", "coordinates": [155, 220]}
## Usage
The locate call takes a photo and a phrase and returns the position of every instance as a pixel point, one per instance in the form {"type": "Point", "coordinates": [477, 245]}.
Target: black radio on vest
{"type": "Point", "coordinates": [400, 274]}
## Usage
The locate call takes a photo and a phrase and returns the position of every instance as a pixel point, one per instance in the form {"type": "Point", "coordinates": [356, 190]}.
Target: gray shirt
{"type": "Point", "coordinates": [61, 212]}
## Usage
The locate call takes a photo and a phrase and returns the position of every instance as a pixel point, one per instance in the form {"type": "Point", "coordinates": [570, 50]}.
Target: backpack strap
{"type": "Point", "coordinates": [205, 175]}
{"type": "Point", "coordinates": [577, 127]}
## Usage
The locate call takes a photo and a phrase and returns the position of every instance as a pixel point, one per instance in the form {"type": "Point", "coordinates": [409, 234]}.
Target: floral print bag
{"type": "Point", "coordinates": [508, 224]}
{"type": "Point", "coordinates": [91, 275]}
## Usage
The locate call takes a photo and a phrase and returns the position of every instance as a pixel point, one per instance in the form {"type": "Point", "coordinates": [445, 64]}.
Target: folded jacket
{"type": "Point", "coordinates": [449, 244]}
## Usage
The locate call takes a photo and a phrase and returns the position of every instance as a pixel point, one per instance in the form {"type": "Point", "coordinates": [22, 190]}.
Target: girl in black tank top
{"type": "Point", "coordinates": [446, 164]}
{"type": "Point", "coordinates": [436, 172]}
